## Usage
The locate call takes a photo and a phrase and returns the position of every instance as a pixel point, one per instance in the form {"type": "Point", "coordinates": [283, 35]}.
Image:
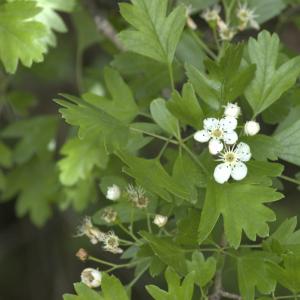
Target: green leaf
{"type": "Point", "coordinates": [206, 88]}
{"type": "Point", "coordinates": [112, 288]}
{"type": "Point", "coordinates": [189, 176]}
{"type": "Point", "coordinates": [168, 251]}
{"type": "Point", "coordinates": [21, 38]}
{"type": "Point", "coordinates": [154, 35]}
{"type": "Point", "coordinates": [196, 5]}
{"type": "Point", "coordinates": [263, 147]}
{"type": "Point", "coordinates": [270, 80]}
{"type": "Point", "coordinates": [186, 108]}
{"type": "Point", "coordinates": [122, 106]}
{"type": "Point", "coordinates": [267, 9]}
{"type": "Point", "coordinates": [84, 293]}
{"type": "Point", "coordinates": [93, 120]}
{"type": "Point", "coordinates": [187, 229]}
{"type": "Point", "coordinates": [81, 156]}
{"type": "Point", "coordinates": [287, 236]}
{"type": "Point", "coordinates": [204, 269]}
{"type": "Point", "coordinates": [242, 207]}
{"type": "Point", "coordinates": [252, 273]}
{"type": "Point", "coordinates": [150, 174]}
{"type": "Point", "coordinates": [35, 135]}
{"type": "Point", "coordinates": [35, 192]}
{"type": "Point", "coordinates": [288, 135]}
{"type": "Point", "coordinates": [163, 117]}
{"type": "Point", "coordinates": [5, 156]}
{"type": "Point", "coordinates": [176, 290]}
{"type": "Point", "coordinates": [288, 275]}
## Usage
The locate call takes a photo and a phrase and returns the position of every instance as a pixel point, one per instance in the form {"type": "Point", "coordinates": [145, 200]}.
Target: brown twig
{"type": "Point", "coordinates": [102, 24]}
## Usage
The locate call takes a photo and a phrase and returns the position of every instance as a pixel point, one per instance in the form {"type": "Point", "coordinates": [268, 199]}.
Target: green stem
{"type": "Point", "coordinates": [203, 45]}
{"type": "Point", "coordinates": [103, 262]}
{"type": "Point", "coordinates": [286, 178]}
{"type": "Point", "coordinates": [288, 297]}
{"type": "Point", "coordinates": [137, 277]}
{"type": "Point", "coordinates": [149, 223]}
{"type": "Point", "coordinates": [154, 135]}
{"type": "Point", "coordinates": [161, 152]}
{"type": "Point", "coordinates": [130, 233]}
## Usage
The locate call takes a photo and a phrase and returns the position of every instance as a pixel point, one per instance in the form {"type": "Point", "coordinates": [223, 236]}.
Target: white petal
{"type": "Point", "coordinates": [211, 124]}
{"type": "Point", "coordinates": [230, 138]}
{"type": "Point", "coordinates": [228, 123]}
{"type": "Point", "coordinates": [215, 146]}
{"type": "Point", "coordinates": [243, 151]}
{"type": "Point", "coordinates": [202, 136]}
{"type": "Point", "coordinates": [239, 171]}
{"type": "Point", "coordinates": [222, 173]}
{"type": "Point", "coordinates": [232, 110]}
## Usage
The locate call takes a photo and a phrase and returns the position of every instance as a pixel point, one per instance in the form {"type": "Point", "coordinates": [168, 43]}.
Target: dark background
{"type": "Point", "coordinates": [40, 264]}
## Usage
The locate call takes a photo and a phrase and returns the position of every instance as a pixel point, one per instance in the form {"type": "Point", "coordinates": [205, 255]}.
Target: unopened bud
{"type": "Point", "coordinates": [82, 254]}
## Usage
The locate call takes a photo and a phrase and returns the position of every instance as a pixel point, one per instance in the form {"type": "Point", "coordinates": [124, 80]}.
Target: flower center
{"type": "Point", "coordinates": [230, 157]}
{"type": "Point", "coordinates": [217, 133]}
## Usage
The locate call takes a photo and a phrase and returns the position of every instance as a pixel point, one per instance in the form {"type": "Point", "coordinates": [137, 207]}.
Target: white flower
{"type": "Point", "coordinates": [215, 131]}
{"type": "Point", "coordinates": [251, 128]}
{"type": "Point", "coordinates": [113, 192]}
{"type": "Point", "coordinates": [160, 220]}
{"type": "Point", "coordinates": [212, 14]}
{"type": "Point", "coordinates": [91, 277]}
{"type": "Point", "coordinates": [246, 17]}
{"type": "Point", "coordinates": [111, 243]}
{"type": "Point", "coordinates": [226, 33]}
{"type": "Point", "coordinates": [109, 215]}
{"type": "Point", "coordinates": [232, 110]}
{"type": "Point", "coordinates": [93, 233]}
{"type": "Point", "coordinates": [51, 145]}
{"type": "Point", "coordinates": [233, 163]}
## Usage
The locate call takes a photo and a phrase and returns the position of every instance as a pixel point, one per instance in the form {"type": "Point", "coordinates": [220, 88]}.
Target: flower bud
{"type": "Point", "coordinates": [232, 110]}
{"type": "Point", "coordinates": [113, 192]}
{"type": "Point", "coordinates": [82, 254]}
{"type": "Point", "coordinates": [91, 277]}
{"type": "Point", "coordinates": [251, 128]}
{"type": "Point", "coordinates": [160, 220]}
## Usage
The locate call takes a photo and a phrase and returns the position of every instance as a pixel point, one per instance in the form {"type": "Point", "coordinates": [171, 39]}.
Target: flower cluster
{"type": "Point", "coordinates": [110, 240]}
{"type": "Point", "coordinates": [222, 138]}
{"type": "Point", "coordinates": [246, 18]}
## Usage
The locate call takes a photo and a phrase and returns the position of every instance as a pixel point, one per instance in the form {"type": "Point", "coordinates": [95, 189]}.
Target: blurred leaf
{"type": "Point", "coordinates": [163, 117]}
{"type": "Point", "coordinates": [35, 135]}
{"type": "Point", "coordinates": [154, 35]}
{"type": "Point", "coordinates": [253, 273]}
{"type": "Point", "coordinates": [21, 38]}
{"type": "Point", "coordinates": [242, 207]}
{"type": "Point", "coordinates": [176, 290]}
{"type": "Point", "coordinates": [197, 5]}
{"type": "Point", "coordinates": [270, 82]}
{"type": "Point", "coordinates": [84, 293]}
{"type": "Point", "coordinates": [5, 156]}
{"type": "Point", "coordinates": [204, 269]}
{"type": "Point", "coordinates": [189, 51]}
{"type": "Point", "coordinates": [35, 190]}
{"type": "Point", "coordinates": [21, 101]}
{"type": "Point", "coordinates": [186, 108]}
{"type": "Point", "coordinates": [81, 156]}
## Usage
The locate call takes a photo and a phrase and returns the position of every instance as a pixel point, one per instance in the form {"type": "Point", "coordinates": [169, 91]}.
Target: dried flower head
{"type": "Point", "coordinates": [82, 254]}
{"type": "Point", "coordinates": [136, 195]}
{"type": "Point", "coordinates": [212, 14]}
{"type": "Point", "coordinates": [109, 215]}
{"type": "Point", "coordinates": [246, 17]}
{"type": "Point", "coordinates": [111, 243]}
{"type": "Point", "coordinates": [88, 229]}
{"type": "Point", "coordinates": [91, 277]}
{"type": "Point", "coordinates": [226, 32]}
